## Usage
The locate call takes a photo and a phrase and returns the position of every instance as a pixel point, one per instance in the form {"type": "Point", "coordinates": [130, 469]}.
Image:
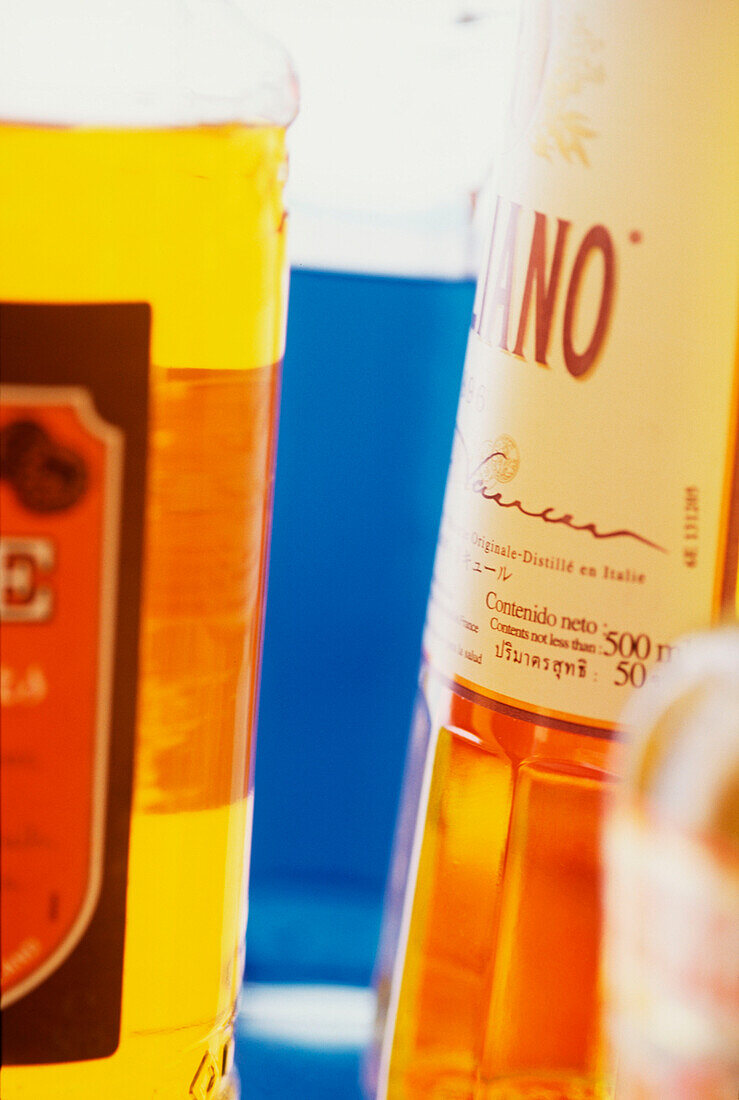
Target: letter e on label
{"type": "Point", "coordinates": [60, 500]}
{"type": "Point", "coordinates": [23, 595]}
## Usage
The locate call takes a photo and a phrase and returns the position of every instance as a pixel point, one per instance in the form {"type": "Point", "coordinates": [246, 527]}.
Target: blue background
{"type": "Point", "coordinates": [370, 387]}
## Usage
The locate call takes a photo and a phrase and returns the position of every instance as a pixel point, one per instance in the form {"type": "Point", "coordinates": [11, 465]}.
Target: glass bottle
{"type": "Point", "coordinates": [590, 518]}
{"type": "Point", "coordinates": [143, 291]}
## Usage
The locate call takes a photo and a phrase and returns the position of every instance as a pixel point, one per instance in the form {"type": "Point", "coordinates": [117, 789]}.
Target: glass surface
{"type": "Point", "coordinates": [147, 166]}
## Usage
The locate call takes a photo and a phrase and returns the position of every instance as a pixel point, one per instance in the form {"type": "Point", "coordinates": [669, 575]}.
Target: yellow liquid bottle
{"type": "Point", "coordinates": [163, 195]}
{"type": "Point", "coordinates": [590, 518]}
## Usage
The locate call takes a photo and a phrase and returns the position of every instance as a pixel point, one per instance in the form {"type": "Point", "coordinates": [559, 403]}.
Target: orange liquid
{"type": "Point", "coordinates": [192, 222]}
{"type": "Point", "coordinates": [495, 989]}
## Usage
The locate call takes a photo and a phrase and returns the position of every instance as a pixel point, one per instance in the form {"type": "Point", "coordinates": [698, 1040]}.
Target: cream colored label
{"type": "Point", "coordinates": [587, 507]}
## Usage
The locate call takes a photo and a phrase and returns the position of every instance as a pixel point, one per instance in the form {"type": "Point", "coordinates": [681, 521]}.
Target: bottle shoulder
{"type": "Point", "coordinates": [524, 741]}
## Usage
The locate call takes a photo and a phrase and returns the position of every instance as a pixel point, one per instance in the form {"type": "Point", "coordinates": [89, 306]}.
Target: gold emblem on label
{"type": "Point", "coordinates": [499, 461]}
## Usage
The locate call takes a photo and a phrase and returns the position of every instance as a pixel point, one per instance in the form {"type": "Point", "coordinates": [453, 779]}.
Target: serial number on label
{"type": "Point", "coordinates": [691, 526]}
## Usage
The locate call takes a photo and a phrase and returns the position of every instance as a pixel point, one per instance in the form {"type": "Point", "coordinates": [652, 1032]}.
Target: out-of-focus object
{"type": "Point", "coordinates": [671, 930]}
{"type": "Point", "coordinates": [591, 517]}
{"type": "Point", "coordinates": [142, 319]}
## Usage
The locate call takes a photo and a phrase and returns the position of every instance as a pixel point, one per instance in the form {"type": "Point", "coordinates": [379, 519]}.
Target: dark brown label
{"type": "Point", "coordinates": [73, 424]}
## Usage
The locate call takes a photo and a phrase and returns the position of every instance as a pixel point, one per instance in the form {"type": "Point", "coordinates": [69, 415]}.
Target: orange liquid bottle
{"type": "Point", "coordinates": [590, 517]}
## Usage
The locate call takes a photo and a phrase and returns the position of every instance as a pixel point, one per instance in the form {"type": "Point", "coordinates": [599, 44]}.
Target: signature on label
{"type": "Point", "coordinates": [477, 479]}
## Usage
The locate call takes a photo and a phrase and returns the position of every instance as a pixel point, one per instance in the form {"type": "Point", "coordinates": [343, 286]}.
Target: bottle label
{"type": "Point", "coordinates": [72, 429]}
{"type": "Point", "coordinates": [588, 518]}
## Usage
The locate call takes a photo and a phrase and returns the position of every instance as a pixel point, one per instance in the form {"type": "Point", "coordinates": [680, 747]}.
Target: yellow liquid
{"type": "Point", "coordinates": [191, 221]}
{"type": "Point", "coordinates": [182, 964]}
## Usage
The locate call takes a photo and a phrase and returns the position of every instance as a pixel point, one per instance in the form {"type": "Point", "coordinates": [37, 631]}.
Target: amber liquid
{"type": "Point", "coordinates": [488, 982]}
{"type": "Point", "coordinates": [192, 222]}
